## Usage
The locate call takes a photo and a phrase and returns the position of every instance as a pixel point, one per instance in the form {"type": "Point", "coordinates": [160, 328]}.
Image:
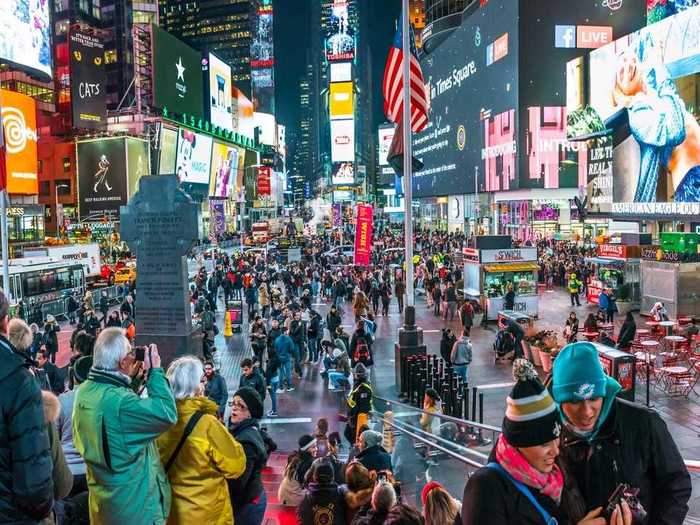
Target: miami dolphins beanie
{"type": "Point", "coordinates": [531, 415]}
{"type": "Point", "coordinates": [577, 374]}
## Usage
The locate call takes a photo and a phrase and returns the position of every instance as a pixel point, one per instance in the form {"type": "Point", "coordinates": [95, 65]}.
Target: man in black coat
{"type": "Point", "coordinates": [25, 479]}
{"type": "Point", "coordinates": [324, 501]}
{"type": "Point", "coordinates": [607, 441]}
{"type": "Point", "coordinates": [252, 377]}
{"type": "Point", "coordinates": [215, 388]}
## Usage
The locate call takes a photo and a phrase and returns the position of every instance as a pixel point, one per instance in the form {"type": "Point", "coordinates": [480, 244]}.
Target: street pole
{"type": "Point", "coordinates": [5, 248]}
{"type": "Point", "coordinates": [410, 341]}
{"type": "Point", "coordinates": [407, 156]}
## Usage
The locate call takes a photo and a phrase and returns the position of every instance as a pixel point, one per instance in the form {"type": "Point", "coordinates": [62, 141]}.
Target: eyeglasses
{"type": "Point", "coordinates": [238, 404]}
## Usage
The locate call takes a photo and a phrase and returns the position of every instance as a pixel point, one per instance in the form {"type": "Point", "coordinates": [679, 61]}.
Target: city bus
{"type": "Point", "coordinates": [36, 281]}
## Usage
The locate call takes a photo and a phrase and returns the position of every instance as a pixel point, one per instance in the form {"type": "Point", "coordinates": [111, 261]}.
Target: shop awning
{"type": "Point", "coordinates": [511, 267]}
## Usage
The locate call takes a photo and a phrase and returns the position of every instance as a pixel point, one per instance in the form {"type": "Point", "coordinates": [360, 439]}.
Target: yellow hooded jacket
{"type": "Point", "coordinates": [208, 458]}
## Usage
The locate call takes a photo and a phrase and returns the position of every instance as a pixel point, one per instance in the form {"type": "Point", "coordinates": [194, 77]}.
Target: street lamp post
{"type": "Point", "coordinates": [56, 187]}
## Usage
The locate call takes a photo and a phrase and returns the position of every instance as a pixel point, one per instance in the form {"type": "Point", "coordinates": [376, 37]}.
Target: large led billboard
{"type": "Point", "coordinates": [177, 75]}
{"type": "Point", "coordinates": [472, 82]}
{"type": "Point", "coordinates": [262, 60]}
{"type": "Point", "coordinates": [644, 88]}
{"type": "Point", "coordinates": [243, 113]}
{"type": "Point", "coordinates": [102, 177]}
{"type": "Point", "coordinates": [554, 34]}
{"type": "Point", "coordinates": [220, 92]}
{"type": "Point", "coordinates": [226, 170]}
{"type": "Point", "coordinates": [341, 100]}
{"type": "Point", "coordinates": [342, 140]}
{"type": "Point", "coordinates": [20, 133]}
{"type": "Point", "coordinates": [25, 35]}
{"type": "Point", "coordinates": [343, 173]}
{"type": "Point", "coordinates": [193, 158]}
{"type": "Point", "coordinates": [167, 151]}
{"type": "Point", "coordinates": [87, 81]}
{"type": "Point", "coordinates": [138, 161]}
{"type": "Point", "coordinates": [657, 10]}
{"type": "Point", "coordinates": [385, 136]}
{"type": "Point", "coordinates": [341, 71]}
{"type": "Point", "coordinates": [340, 40]}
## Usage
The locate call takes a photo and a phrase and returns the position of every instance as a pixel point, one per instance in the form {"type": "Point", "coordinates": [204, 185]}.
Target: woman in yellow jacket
{"type": "Point", "coordinates": [209, 455]}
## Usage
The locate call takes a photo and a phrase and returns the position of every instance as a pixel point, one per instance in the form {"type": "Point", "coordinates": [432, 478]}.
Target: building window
{"type": "Point", "coordinates": [44, 188]}
{"type": "Point", "coordinates": [66, 164]}
{"type": "Point", "coordinates": [40, 166]}
{"type": "Point", "coordinates": [63, 186]}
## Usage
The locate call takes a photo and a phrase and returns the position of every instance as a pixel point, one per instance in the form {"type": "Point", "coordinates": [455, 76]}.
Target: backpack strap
{"type": "Point", "coordinates": [188, 430]}
{"type": "Point", "coordinates": [549, 520]}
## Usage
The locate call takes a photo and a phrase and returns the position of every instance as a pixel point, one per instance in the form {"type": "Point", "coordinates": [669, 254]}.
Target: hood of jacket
{"type": "Point", "coordinates": [10, 359]}
{"type": "Point", "coordinates": [323, 490]}
{"type": "Point", "coordinates": [52, 406]}
{"type": "Point", "coordinates": [191, 405]}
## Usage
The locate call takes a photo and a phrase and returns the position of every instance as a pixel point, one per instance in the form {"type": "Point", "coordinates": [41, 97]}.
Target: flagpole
{"type": "Point", "coordinates": [3, 215]}
{"type": "Point", "coordinates": [407, 155]}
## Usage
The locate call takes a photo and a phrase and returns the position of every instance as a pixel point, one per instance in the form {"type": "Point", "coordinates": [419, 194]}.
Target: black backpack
{"type": "Point", "coordinates": [362, 353]}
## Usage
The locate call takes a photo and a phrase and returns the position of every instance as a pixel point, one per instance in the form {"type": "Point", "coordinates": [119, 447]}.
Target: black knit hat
{"type": "Point", "coordinates": [252, 400]}
{"type": "Point", "coordinates": [81, 368]}
{"type": "Point", "coordinates": [531, 414]}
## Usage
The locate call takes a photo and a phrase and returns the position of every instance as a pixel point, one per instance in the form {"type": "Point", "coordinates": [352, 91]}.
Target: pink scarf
{"type": "Point", "coordinates": [516, 465]}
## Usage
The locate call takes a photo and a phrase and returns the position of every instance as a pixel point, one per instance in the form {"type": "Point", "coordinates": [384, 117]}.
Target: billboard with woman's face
{"type": "Point", "coordinates": [645, 90]}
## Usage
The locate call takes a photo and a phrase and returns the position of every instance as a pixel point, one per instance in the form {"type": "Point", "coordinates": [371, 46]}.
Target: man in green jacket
{"type": "Point", "coordinates": [114, 430]}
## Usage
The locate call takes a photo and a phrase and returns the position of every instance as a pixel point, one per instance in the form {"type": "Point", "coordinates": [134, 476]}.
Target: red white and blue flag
{"type": "Point", "coordinates": [393, 85]}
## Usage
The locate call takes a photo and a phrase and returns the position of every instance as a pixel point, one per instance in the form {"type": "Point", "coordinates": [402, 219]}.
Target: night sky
{"type": "Point", "coordinates": [293, 39]}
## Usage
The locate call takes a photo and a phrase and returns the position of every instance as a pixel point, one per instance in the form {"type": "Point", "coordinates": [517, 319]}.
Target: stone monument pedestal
{"type": "Point", "coordinates": [160, 225]}
{"type": "Point", "coordinates": [410, 343]}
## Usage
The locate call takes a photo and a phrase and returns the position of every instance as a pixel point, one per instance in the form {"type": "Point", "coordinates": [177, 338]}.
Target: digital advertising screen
{"type": "Point", "coordinates": [385, 136]}
{"type": "Point", "coordinates": [243, 113]}
{"type": "Point", "coordinates": [341, 100]}
{"type": "Point", "coordinates": [102, 177]}
{"type": "Point", "coordinates": [555, 35]}
{"type": "Point", "coordinates": [472, 81]}
{"type": "Point", "coordinates": [177, 75]}
{"type": "Point", "coordinates": [342, 140]}
{"type": "Point", "coordinates": [343, 173]}
{"type": "Point", "coordinates": [657, 10]}
{"type": "Point", "coordinates": [20, 133]}
{"type": "Point", "coordinates": [226, 170]}
{"type": "Point", "coordinates": [262, 60]}
{"type": "Point", "coordinates": [168, 151]}
{"type": "Point", "coordinates": [25, 35]}
{"type": "Point", "coordinates": [193, 158]}
{"type": "Point", "coordinates": [644, 88]}
{"type": "Point", "coordinates": [138, 161]}
{"type": "Point", "coordinates": [88, 77]}
{"type": "Point", "coordinates": [221, 113]}
{"type": "Point", "coordinates": [340, 40]}
{"type": "Point", "coordinates": [341, 71]}
{"type": "Point", "coordinates": [268, 127]}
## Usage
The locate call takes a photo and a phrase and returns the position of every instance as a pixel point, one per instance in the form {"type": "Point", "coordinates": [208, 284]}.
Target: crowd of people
{"type": "Point", "coordinates": [121, 439]}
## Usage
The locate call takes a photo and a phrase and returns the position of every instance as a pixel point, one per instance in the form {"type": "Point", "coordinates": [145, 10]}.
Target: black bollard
{"type": "Point", "coordinates": [474, 404]}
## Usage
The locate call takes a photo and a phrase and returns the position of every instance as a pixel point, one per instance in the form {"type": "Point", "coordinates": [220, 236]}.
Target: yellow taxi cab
{"type": "Point", "coordinates": [125, 275]}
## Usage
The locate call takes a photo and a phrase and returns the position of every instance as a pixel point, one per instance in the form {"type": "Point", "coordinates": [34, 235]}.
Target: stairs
{"type": "Point", "coordinates": [276, 513]}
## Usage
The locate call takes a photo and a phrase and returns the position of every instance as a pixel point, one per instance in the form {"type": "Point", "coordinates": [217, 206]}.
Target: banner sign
{"type": "Point", "coordinates": [363, 235]}
{"type": "Point", "coordinates": [217, 220]}
{"type": "Point", "coordinates": [20, 139]}
{"type": "Point", "coordinates": [337, 215]}
{"type": "Point", "coordinates": [264, 178]}
{"type": "Point", "coordinates": [102, 177]}
{"type": "Point", "coordinates": [514, 255]}
{"type": "Point", "coordinates": [88, 77]}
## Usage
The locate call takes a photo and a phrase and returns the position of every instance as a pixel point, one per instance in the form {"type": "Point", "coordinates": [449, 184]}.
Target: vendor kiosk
{"type": "Point", "coordinates": [487, 274]}
{"type": "Point", "coordinates": [672, 278]}
{"type": "Point", "coordinates": [616, 267]}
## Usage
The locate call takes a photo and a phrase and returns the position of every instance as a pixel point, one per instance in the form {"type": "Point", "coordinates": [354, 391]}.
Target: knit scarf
{"type": "Point", "coordinates": [516, 465]}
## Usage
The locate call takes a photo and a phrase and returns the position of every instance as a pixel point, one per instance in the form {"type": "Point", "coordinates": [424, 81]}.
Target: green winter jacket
{"type": "Point", "coordinates": [115, 430]}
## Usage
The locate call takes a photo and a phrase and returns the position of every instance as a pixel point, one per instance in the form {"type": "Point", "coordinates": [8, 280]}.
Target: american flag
{"type": "Point", "coordinates": [393, 85]}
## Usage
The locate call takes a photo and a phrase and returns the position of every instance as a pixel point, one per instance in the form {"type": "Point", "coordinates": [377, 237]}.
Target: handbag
{"type": "Point", "coordinates": [186, 433]}
{"type": "Point", "coordinates": [548, 519]}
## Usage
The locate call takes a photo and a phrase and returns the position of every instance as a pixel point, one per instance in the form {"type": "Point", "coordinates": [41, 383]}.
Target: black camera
{"type": "Point", "coordinates": [629, 495]}
{"type": "Point", "coordinates": [140, 353]}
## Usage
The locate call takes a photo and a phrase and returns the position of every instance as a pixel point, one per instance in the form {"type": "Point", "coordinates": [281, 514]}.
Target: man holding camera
{"type": "Point", "coordinates": [607, 442]}
{"type": "Point", "coordinates": [114, 430]}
